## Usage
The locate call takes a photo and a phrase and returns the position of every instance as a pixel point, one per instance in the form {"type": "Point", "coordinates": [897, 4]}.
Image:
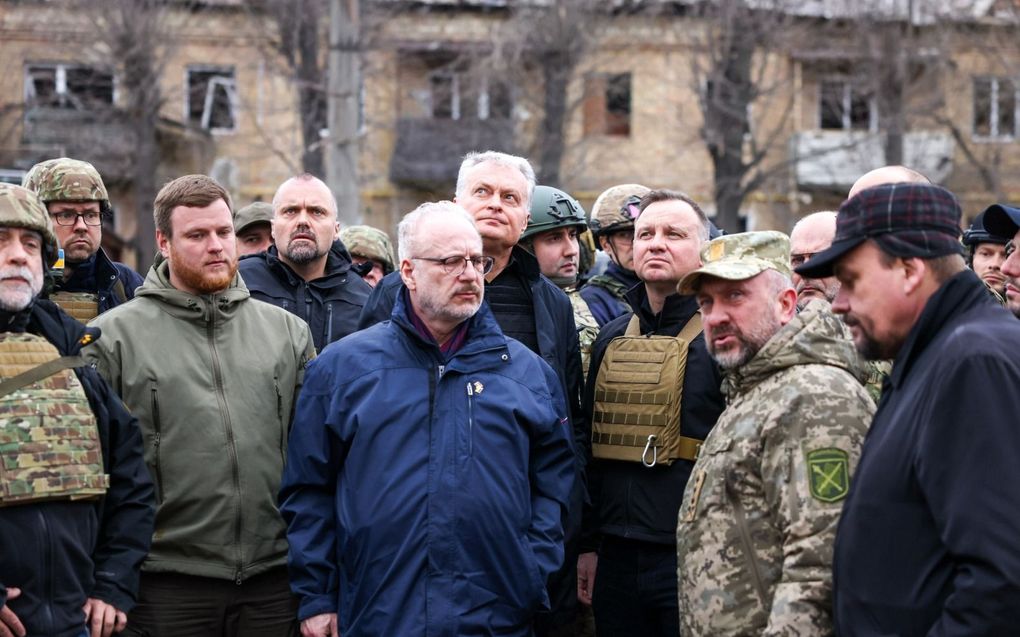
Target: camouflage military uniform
{"type": "Point", "coordinates": [587, 326]}
{"type": "Point", "coordinates": [756, 528]}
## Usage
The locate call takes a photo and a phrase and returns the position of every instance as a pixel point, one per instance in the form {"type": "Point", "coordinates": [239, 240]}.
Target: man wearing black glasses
{"type": "Point", "coordinates": [429, 465]}
{"type": "Point", "coordinates": [77, 200]}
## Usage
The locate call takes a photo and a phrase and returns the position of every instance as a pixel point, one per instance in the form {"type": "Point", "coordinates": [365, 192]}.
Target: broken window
{"type": "Point", "coordinates": [843, 106]}
{"type": "Point", "coordinates": [607, 105]}
{"type": "Point", "coordinates": [212, 98]}
{"type": "Point", "coordinates": [995, 105]}
{"type": "Point", "coordinates": [463, 96]}
{"type": "Point", "coordinates": [70, 86]}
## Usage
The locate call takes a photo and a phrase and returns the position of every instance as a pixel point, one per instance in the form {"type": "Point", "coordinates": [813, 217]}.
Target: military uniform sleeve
{"type": "Point", "coordinates": [968, 469]}
{"type": "Point", "coordinates": [307, 496]}
{"type": "Point", "coordinates": [127, 510]}
{"type": "Point", "coordinates": [809, 455]}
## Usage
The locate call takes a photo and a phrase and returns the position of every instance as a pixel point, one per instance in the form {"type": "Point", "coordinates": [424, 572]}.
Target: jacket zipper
{"type": "Point", "coordinates": [329, 325]}
{"type": "Point", "coordinates": [156, 438]}
{"type": "Point", "coordinates": [231, 450]}
{"type": "Point", "coordinates": [745, 541]}
{"type": "Point", "coordinates": [471, 420]}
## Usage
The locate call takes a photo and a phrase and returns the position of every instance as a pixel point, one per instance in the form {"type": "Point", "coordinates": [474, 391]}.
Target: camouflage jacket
{"type": "Point", "coordinates": [756, 528]}
{"type": "Point", "coordinates": [587, 327]}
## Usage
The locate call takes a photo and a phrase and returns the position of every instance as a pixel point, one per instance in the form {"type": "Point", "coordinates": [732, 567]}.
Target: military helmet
{"type": "Point", "coordinates": [978, 234]}
{"type": "Point", "coordinates": [32, 177]}
{"type": "Point", "coordinates": [67, 179]}
{"type": "Point", "coordinates": [552, 208]}
{"type": "Point", "coordinates": [616, 208]}
{"type": "Point", "coordinates": [21, 208]}
{"type": "Point", "coordinates": [369, 243]}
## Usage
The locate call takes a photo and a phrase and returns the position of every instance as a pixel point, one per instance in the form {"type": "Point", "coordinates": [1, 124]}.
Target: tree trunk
{"type": "Point", "coordinates": [344, 88]}
{"type": "Point", "coordinates": [556, 72]}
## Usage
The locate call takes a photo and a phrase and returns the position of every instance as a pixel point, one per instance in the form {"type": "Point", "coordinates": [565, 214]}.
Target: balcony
{"type": "Point", "coordinates": [833, 159]}
{"type": "Point", "coordinates": [429, 151]}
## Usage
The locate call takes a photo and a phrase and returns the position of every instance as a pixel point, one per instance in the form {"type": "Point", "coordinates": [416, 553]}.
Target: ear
{"type": "Point", "coordinates": [407, 274]}
{"type": "Point", "coordinates": [164, 244]}
{"type": "Point", "coordinates": [272, 228]}
{"type": "Point", "coordinates": [787, 306]}
{"type": "Point", "coordinates": [336, 231]}
{"type": "Point", "coordinates": [914, 271]}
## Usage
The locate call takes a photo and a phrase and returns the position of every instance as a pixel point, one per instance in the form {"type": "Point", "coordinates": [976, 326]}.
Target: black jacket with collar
{"type": "Point", "coordinates": [330, 304]}
{"type": "Point", "coordinates": [630, 500]}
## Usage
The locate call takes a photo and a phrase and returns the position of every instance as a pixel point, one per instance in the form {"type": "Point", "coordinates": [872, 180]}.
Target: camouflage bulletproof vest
{"type": "Point", "coordinates": [82, 306]}
{"type": "Point", "coordinates": [615, 287]}
{"type": "Point", "coordinates": [49, 442]}
{"type": "Point", "coordinates": [637, 397]}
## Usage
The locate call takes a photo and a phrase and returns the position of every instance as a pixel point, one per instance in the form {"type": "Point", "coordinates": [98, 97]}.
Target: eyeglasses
{"type": "Point", "coordinates": [69, 218]}
{"type": "Point", "coordinates": [797, 260]}
{"type": "Point", "coordinates": [458, 264]}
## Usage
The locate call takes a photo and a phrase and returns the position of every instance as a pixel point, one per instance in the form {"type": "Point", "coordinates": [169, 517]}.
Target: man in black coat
{"type": "Point", "coordinates": [76, 500]}
{"type": "Point", "coordinates": [308, 270]}
{"type": "Point", "coordinates": [927, 543]}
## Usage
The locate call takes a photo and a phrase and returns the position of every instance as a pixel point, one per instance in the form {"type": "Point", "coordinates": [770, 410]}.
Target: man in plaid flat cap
{"type": "Point", "coordinates": [927, 542]}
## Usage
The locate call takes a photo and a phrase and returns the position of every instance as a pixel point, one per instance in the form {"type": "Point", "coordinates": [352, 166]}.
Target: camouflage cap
{"type": "Point", "coordinates": [740, 256]}
{"type": "Point", "coordinates": [68, 179]}
{"type": "Point", "coordinates": [616, 208]}
{"type": "Point", "coordinates": [21, 208]}
{"type": "Point", "coordinates": [369, 243]}
{"type": "Point", "coordinates": [257, 212]}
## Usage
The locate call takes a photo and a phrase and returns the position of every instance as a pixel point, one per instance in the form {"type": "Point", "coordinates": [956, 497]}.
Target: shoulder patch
{"type": "Point", "coordinates": [828, 474]}
{"type": "Point", "coordinates": [85, 340]}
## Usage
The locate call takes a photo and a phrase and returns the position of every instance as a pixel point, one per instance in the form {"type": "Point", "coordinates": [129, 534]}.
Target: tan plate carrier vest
{"type": "Point", "coordinates": [49, 442]}
{"type": "Point", "coordinates": [637, 397]}
{"type": "Point", "coordinates": [82, 306]}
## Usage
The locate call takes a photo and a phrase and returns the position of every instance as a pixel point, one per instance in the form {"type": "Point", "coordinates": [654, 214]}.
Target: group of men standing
{"type": "Point", "coordinates": [439, 443]}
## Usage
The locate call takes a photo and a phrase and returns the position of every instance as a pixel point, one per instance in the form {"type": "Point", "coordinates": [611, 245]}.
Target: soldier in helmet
{"type": "Point", "coordinates": [612, 222]}
{"type": "Point", "coordinates": [75, 524]}
{"type": "Point", "coordinates": [987, 254]}
{"type": "Point", "coordinates": [253, 226]}
{"type": "Point", "coordinates": [557, 219]}
{"type": "Point", "coordinates": [77, 201]}
{"type": "Point", "coordinates": [369, 247]}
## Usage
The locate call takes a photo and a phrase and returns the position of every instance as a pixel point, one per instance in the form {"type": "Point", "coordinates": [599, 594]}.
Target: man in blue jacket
{"type": "Point", "coordinates": [308, 270]}
{"type": "Point", "coordinates": [429, 464]}
{"type": "Point", "coordinates": [927, 542]}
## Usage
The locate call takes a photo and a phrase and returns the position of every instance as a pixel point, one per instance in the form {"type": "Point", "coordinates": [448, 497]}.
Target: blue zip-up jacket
{"type": "Point", "coordinates": [99, 275]}
{"type": "Point", "coordinates": [423, 496]}
{"type": "Point", "coordinates": [330, 304]}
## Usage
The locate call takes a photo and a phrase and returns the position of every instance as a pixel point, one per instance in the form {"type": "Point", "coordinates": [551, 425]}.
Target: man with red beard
{"type": "Point", "coordinates": [308, 270]}
{"type": "Point", "coordinates": [212, 377]}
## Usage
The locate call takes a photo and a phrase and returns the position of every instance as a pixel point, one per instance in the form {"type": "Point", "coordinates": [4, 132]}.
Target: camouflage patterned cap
{"type": "Point", "coordinates": [258, 212]}
{"type": "Point", "coordinates": [740, 256]}
{"type": "Point", "coordinates": [68, 179]}
{"type": "Point", "coordinates": [370, 243]}
{"type": "Point", "coordinates": [616, 208]}
{"type": "Point", "coordinates": [21, 208]}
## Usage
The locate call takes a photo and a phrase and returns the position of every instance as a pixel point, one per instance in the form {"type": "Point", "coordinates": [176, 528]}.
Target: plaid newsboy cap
{"type": "Point", "coordinates": [905, 219]}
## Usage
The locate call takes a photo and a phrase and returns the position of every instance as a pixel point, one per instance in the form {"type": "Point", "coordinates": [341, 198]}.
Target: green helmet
{"type": "Point", "coordinates": [21, 208]}
{"type": "Point", "coordinates": [369, 243]}
{"type": "Point", "coordinates": [67, 179]}
{"type": "Point", "coordinates": [552, 208]}
{"type": "Point", "coordinates": [616, 208]}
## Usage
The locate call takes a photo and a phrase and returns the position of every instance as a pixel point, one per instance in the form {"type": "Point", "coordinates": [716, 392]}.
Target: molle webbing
{"type": "Point", "coordinates": [638, 392]}
{"type": "Point", "coordinates": [82, 306]}
{"type": "Point", "coordinates": [49, 442]}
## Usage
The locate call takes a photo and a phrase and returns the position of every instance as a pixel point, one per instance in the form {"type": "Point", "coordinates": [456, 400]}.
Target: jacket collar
{"type": "Point", "coordinates": [677, 309]}
{"type": "Point", "coordinates": [957, 296]}
{"type": "Point", "coordinates": [627, 277]}
{"type": "Point", "coordinates": [204, 308]}
{"type": "Point", "coordinates": [527, 263]}
{"type": "Point", "coordinates": [338, 264]}
{"type": "Point", "coordinates": [94, 274]}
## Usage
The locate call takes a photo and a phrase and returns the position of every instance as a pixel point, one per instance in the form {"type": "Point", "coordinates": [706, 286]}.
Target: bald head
{"type": "Point", "coordinates": [887, 175]}
{"type": "Point", "coordinates": [811, 235]}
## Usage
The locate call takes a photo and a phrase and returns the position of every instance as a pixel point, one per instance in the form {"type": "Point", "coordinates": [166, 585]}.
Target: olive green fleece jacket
{"type": "Point", "coordinates": [212, 380]}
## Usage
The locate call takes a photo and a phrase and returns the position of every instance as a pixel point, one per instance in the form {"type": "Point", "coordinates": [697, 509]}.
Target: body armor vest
{"type": "Point", "coordinates": [637, 397]}
{"type": "Point", "coordinates": [82, 306]}
{"type": "Point", "coordinates": [49, 441]}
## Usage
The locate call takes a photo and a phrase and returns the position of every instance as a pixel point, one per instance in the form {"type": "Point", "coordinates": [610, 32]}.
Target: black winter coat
{"type": "Point", "coordinates": [100, 275]}
{"type": "Point", "coordinates": [60, 553]}
{"type": "Point", "coordinates": [630, 500]}
{"type": "Point", "coordinates": [330, 304]}
{"type": "Point", "coordinates": [929, 539]}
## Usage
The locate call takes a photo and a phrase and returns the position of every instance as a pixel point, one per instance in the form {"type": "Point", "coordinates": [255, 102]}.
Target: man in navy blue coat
{"type": "Point", "coordinates": [429, 464]}
{"type": "Point", "coordinates": [927, 543]}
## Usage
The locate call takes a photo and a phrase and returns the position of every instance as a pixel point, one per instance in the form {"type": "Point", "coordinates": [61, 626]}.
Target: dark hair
{"type": "Point", "coordinates": [192, 191]}
{"type": "Point", "coordinates": [663, 194]}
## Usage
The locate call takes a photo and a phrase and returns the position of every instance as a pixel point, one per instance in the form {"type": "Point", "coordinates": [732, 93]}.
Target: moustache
{"type": "Point", "coordinates": [17, 272]}
{"type": "Point", "coordinates": [303, 232]}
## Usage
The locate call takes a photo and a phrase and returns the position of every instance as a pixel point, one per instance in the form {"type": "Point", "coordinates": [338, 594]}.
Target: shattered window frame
{"type": "Point", "coordinates": [201, 85]}
{"type": "Point", "coordinates": [74, 86]}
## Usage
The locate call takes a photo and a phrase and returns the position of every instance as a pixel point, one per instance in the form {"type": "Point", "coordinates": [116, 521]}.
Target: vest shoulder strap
{"type": "Point", "coordinates": [40, 372]}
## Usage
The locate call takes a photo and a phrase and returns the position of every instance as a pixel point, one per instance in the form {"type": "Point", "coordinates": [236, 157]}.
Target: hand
{"type": "Point", "coordinates": [103, 619]}
{"type": "Point", "coordinates": [323, 625]}
{"type": "Point", "coordinates": [10, 625]}
{"type": "Point", "coordinates": [586, 565]}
